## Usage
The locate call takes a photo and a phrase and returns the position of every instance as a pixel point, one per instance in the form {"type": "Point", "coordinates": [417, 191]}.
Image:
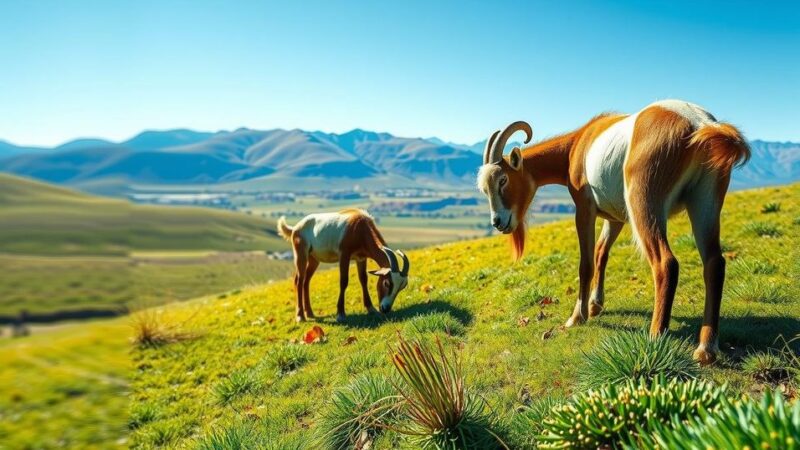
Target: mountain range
{"type": "Point", "coordinates": [293, 158]}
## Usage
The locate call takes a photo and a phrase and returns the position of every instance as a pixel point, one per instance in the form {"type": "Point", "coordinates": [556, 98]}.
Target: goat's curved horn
{"type": "Point", "coordinates": [499, 144]}
{"type": "Point", "coordinates": [489, 144]}
{"type": "Point", "coordinates": [406, 263]}
{"type": "Point", "coordinates": [392, 259]}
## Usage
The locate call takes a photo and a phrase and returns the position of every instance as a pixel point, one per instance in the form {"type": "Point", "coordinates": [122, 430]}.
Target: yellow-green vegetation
{"type": "Point", "coordinates": [66, 387]}
{"type": "Point", "coordinates": [512, 348]}
{"type": "Point", "coordinates": [61, 250]}
{"type": "Point", "coordinates": [41, 219]}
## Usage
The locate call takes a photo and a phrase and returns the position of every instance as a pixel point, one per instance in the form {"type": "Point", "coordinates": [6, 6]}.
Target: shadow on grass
{"type": "Point", "coordinates": [364, 320]}
{"type": "Point", "coordinates": [754, 331]}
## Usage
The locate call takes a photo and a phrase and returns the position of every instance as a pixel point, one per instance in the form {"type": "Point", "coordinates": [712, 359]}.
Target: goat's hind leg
{"type": "Point", "coordinates": [704, 210]}
{"type": "Point", "coordinates": [361, 266]}
{"type": "Point", "coordinates": [311, 267]}
{"type": "Point", "coordinates": [300, 264]}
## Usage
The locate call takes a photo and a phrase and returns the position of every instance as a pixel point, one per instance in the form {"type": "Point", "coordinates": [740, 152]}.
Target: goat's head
{"type": "Point", "coordinates": [506, 185]}
{"type": "Point", "coordinates": [391, 280]}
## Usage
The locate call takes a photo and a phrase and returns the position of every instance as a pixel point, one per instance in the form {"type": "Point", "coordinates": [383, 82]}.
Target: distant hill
{"type": "Point", "coordinates": [41, 219]}
{"type": "Point", "coordinates": [277, 159]}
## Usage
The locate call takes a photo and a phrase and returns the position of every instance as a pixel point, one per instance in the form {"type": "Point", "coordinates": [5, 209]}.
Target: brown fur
{"type": "Point", "coordinates": [664, 147]}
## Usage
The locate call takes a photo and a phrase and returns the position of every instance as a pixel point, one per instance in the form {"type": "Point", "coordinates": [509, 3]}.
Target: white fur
{"type": "Point", "coordinates": [695, 114]}
{"type": "Point", "coordinates": [604, 167]}
{"type": "Point", "coordinates": [323, 232]}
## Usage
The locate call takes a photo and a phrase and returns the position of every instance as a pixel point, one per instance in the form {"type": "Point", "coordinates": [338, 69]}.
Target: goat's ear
{"type": "Point", "coordinates": [515, 159]}
{"type": "Point", "coordinates": [381, 271]}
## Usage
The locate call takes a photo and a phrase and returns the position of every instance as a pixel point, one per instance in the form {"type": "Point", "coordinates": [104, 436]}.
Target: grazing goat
{"type": "Point", "coordinates": [332, 237]}
{"type": "Point", "coordinates": [640, 168]}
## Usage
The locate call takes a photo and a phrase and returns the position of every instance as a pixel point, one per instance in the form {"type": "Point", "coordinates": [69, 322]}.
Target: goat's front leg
{"type": "Point", "coordinates": [584, 223]}
{"type": "Point", "coordinates": [361, 266]}
{"type": "Point", "coordinates": [344, 277]}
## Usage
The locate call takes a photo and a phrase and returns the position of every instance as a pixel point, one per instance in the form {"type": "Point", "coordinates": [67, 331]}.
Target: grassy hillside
{"type": "Point", "coordinates": [61, 250]}
{"type": "Point", "coordinates": [42, 219]}
{"type": "Point", "coordinates": [244, 365]}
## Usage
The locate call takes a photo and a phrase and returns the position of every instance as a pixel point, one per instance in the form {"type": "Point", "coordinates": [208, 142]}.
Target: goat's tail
{"type": "Point", "coordinates": [284, 230]}
{"type": "Point", "coordinates": [723, 144]}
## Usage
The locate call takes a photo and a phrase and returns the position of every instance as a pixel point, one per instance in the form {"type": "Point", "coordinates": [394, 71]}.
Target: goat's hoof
{"type": "Point", "coordinates": [299, 319]}
{"type": "Point", "coordinates": [340, 318]}
{"type": "Point", "coordinates": [575, 320]}
{"type": "Point", "coordinates": [704, 356]}
{"type": "Point", "coordinates": [595, 309]}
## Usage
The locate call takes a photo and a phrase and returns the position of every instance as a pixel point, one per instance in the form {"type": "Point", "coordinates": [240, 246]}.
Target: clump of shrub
{"type": "Point", "coordinates": [771, 207]}
{"type": "Point", "coordinates": [237, 384]}
{"type": "Point", "coordinates": [435, 322]}
{"type": "Point", "coordinates": [358, 413]}
{"type": "Point", "coordinates": [633, 355]}
{"type": "Point", "coordinates": [771, 424]}
{"type": "Point", "coordinates": [614, 414]}
{"type": "Point", "coordinates": [152, 327]}
{"type": "Point", "coordinates": [763, 229]}
{"type": "Point", "coordinates": [287, 358]}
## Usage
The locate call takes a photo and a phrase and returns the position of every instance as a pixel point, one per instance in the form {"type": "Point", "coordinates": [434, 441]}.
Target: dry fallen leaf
{"type": "Point", "coordinates": [546, 301]}
{"type": "Point", "coordinates": [730, 255]}
{"type": "Point", "coordinates": [548, 334]}
{"type": "Point", "coordinates": [350, 340]}
{"type": "Point", "coordinates": [315, 334]}
{"type": "Point", "coordinates": [540, 316]}
{"type": "Point", "coordinates": [569, 291]}
{"type": "Point", "coordinates": [426, 288]}
{"type": "Point", "coordinates": [523, 321]}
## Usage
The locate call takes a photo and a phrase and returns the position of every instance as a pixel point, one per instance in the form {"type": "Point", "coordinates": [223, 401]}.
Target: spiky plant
{"type": "Point", "coordinates": [611, 415]}
{"type": "Point", "coordinates": [358, 413]}
{"type": "Point", "coordinates": [442, 414]}
{"type": "Point", "coordinates": [759, 291]}
{"type": "Point", "coordinates": [235, 436]}
{"type": "Point", "coordinates": [771, 207]}
{"type": "Point", "coordinates": [771, 423]}
{"type": "Point", "coordinates": [633, 355]}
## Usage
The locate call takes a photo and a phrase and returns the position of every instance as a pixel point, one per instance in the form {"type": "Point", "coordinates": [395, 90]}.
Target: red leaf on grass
{"type": "Point", "coordinates": [315, 334]}
{"type": "Point", "coordinates": [547, 300]}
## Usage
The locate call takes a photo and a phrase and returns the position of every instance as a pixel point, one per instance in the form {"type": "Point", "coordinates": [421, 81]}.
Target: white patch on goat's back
{"type": "Point", "coordinates": [605, 161]}
{"type": "Point", "coordinates": [695, 114]}
{"type": "Point", "coordinates": [324, 233]}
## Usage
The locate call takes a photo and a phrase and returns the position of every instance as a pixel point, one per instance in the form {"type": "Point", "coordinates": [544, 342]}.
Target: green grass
{"type": "Point", "coordinates": [41, 219]}
{"type": "Point", "coordinates": [505, 362]}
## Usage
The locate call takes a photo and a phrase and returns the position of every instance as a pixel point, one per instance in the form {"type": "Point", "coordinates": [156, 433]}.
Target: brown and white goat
{"type": "Point", "coordinates": [639, 168]}
{"type": "Point", "coordinates": [340, 237]}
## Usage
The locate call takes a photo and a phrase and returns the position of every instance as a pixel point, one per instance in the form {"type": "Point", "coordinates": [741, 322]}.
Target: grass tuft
{"type": "Point", "coordinates": [152, 327]}
{"type": "Point", "coordinates": [363, 361]}
{"type": "Point", "coordinates": [237, 384]}
{"type": "Point", "coordinates": [766, 367]}
{"type": "Point", "coordinates": [528, 422]}
{"type": "Point", "coordinates": [771, 207]}
{"type": "Point", "coordinates": [755, 267]}
{"type": "Point", "coordinates": [758, 291]}
{"type": "Point", "coordinates": [763, 229]}
{"type": "Point", "coordinates": [633, 355]}
{"type": "Point", "coordinates": [435, 322]}
{"type": "Point", "coordinates": [287, 358]}
{"type": "Point", "coordinates": [358, 413]}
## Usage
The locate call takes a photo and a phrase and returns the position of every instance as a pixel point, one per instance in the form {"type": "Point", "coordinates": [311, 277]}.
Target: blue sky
{"type": "Point", "coordinates": [452, 69]}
